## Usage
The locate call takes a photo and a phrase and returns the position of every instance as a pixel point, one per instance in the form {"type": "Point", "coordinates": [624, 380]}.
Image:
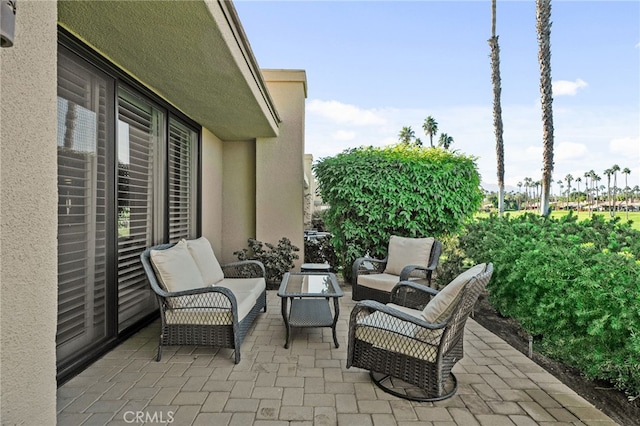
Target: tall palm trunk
{"type": "Point", "coordinates": [497, 108]}
{"type": "Point", "coordinates": [543, 26]}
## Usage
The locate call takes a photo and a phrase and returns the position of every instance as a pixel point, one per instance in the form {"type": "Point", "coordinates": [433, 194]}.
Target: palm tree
{"type": "Point", "coordinates": [445, 140]}
{"type": "Point", "coordinates": [578, 180]}
{"type": "Point", "coordinates": [569, 179]}
{"type": "Point", "coordinates": [615, 169]}
{"type": "Point", "coordinates": [430, 127]}
{"type": "Point", "coordinates": [596, 179]}
{"type": "Point", "coordinates": [406, 135]}
{"type": "Point", "coordinates": [519, 193]}
{"type": "Point", "coordinates": [543, 27]}
{"type": "Point", "coordinates": [609, 172]}
{"type": "Point", "coordinates": [497, 107]}
{"type": "Point", "coordinates": [626, 172]}
{"type": "Point", "coordinates": [587, 175]}
{"type": "Point", "coordinates": [561, 186]}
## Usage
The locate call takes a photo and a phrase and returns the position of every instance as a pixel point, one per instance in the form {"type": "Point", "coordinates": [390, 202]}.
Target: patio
{"type": "Point", "coordinates": [308, 384]}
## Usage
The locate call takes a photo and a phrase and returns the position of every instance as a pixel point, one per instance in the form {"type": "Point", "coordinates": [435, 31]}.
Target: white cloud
{"type": "Point", "coordinates": [569, 151]}
{"type": "Point", "coordinates": [569, 88]}
{"type": "Point", "coordinates": [628, 147]}
{"type": "Point", "coordinates": [344, 135]}
{"type": "Point", "coordinates": [345, 113]}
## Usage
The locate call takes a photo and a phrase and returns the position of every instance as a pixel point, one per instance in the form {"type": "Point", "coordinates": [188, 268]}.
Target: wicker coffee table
{"type": "Point", "coordinates": [309, 294]}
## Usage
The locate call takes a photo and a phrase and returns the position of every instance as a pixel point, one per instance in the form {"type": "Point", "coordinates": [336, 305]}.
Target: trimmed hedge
{"type": "Point", "coordinates": [401, 190]}
{"type": "Point", "coordinates": [574, 286]}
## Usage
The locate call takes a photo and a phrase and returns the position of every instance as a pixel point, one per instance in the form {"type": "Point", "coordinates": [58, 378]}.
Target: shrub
{"type": "Point", "coordinates": [277, 260]}
{"type": "Point", "coordinates": [320, 250]}
{"type": "Point", "coordinates": [575, 286]}
{"type": "Point", "coordinates": [402, 190]}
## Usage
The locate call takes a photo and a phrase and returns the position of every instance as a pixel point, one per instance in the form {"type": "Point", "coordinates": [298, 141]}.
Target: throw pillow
{"type": "Point", "coordinates": [206, 261]}
{"type": "Point", "coordinates": [176, 269]}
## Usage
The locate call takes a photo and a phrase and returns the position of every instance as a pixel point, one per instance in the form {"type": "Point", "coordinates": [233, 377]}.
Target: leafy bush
{"type": "Point", "coordinates": [320, 250]}
{"type": "Point", "coordinates": [575, 286]}
{"type": "Point", "coordinates": [402, 190]}
{"type": "Point", "coordinates": [277, 260]}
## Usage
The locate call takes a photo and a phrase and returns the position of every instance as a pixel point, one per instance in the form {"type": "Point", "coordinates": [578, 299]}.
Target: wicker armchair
{"type": "Point", "coordinates": [211, 315]}
{"type": "Point", "coordinates": [412, 259]}
{"type": "Point", "coordinates": [410, 345]}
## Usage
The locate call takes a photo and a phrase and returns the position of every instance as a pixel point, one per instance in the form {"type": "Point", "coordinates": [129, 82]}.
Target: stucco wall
{"type": "Point", "coordinates": [239, 199]}
{"type": "Point", "coordinates": [212, 178]}
{"type": "Point", "coordinates": [28, 218]}
{"type": "Point", "coordinates": [279, 169]}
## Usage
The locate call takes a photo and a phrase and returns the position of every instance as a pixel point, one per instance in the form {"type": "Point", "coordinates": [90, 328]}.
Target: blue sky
{"type": "Point", "coordinates": [376, 66]}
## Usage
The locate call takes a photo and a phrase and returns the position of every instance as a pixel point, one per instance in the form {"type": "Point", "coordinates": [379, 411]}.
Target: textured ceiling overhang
{"type": "Point", "coordinates": [192, 53]}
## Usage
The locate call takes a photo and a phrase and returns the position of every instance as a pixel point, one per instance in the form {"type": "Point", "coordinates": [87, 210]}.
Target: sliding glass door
{"type": "Point", "coordinates": [127, 180]}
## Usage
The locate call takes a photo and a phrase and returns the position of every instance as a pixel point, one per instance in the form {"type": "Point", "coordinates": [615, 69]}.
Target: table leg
{"type": "Point", "coordinates": [285, 317]}
{"type": "Point", "coordinates": [336, 309]}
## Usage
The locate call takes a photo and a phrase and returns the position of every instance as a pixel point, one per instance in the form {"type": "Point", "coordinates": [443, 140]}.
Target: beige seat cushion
{"type": "Point", "coordinates": [392, 334]}
{"type": "Point", "coordinates": [252, 286]}
{"type": "Point", "coordinates": [384, 282]}
{"type": "Point", "coordinates": [407, 251]}
{"type": "Point", "coordinates": [202, 253]}
{"type": "Point", "coordinates": [176, 269]}
{"type": "Point", "coordinates": [440, 307]}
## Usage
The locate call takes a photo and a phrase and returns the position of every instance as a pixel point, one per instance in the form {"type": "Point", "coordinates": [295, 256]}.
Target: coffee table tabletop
{"type": "Point", "coordinates": [309, 293]}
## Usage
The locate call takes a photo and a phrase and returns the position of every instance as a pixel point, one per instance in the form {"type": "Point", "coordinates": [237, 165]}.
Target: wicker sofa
{"type": "Point", "coordinates": [202, 302]}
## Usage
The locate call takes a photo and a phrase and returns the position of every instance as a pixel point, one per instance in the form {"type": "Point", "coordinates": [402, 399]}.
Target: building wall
{"type": "Point", "coordinates": [212, 189]}
{"type": "Point", "coordinates": [279, 169]}
{"type": "Point", "coordinates": [239, 197]}
{"type": "Point", "coordinates": [28, 221]}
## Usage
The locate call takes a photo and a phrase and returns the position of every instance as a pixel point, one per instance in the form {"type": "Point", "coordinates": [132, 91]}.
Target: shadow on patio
{"type": "Point", "coordinates": [307, 384]}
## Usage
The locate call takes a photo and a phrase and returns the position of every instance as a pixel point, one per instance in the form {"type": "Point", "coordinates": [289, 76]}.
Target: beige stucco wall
{"type": "Point", "coordinates": [279, 168]}
{"type": "Point", "coordinates": [239, 197]}
{"type": "Point", "coordinates": [28, 224]}
{"type": "Point", "coordinates": [212, 178]}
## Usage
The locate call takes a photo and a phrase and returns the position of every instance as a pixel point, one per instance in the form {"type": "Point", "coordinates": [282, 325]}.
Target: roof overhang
{"type": "Point", "coordinates": [194, 54]}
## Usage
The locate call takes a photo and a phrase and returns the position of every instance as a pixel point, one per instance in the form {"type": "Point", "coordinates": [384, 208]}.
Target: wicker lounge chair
{"type": "Point", "coordinates": [410, 345]}
{"type": "Point", "coordinates": [412, 259]}
{"type": "Point", "coordinates": [211, 314]}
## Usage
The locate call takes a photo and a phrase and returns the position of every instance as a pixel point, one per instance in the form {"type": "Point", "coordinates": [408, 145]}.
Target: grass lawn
{"type": "Point", "coordinates": [633, 216]}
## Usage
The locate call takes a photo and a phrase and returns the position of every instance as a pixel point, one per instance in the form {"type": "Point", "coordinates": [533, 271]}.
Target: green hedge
{"type": "Point", "coordinates": [401, 190]}
{"type": "Point", "coordinates": [574, 286]}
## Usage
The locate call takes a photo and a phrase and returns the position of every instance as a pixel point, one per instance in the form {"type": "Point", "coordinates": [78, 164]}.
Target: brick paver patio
{"type": "Point", "coordinates": [308, 384]}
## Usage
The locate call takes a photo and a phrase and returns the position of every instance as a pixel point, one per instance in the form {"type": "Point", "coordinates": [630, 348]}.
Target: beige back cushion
{"type": "Point", "coordinates": [407, 251]}
{"type": "Point", "coordinates": [176, 269]}
{"type": "Point", "coordinates": [206, 261]}
{"type": "Point", "coordinates": [439, 308]}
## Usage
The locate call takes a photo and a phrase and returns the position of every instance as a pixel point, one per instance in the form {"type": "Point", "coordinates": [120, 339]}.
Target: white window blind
{"type": "Point", "coordinates": [82, 140]}
{"type": "Point", "coordinates": [182, 203]}
{"type": "Point", "coordinates": [139, 136]}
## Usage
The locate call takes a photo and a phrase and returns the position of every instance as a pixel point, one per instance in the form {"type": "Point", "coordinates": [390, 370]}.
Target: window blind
{"type": "Point", "coordinates": [82, 139]}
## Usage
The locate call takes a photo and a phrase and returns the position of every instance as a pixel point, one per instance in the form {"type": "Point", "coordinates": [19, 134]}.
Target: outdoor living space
{"type": "Point", "coordinates": [308, 383]}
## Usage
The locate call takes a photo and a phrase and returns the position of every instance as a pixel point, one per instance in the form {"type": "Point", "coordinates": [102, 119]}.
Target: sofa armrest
{"type": "Point", "coordinates": [243, 269]}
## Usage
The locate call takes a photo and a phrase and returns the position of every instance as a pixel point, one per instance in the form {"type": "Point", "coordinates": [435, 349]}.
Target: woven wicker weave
{"type": "Point", "coordinates": [394, 345]}
{"type": "Point", "coordinates": [377, 266]}
{"type": "Point", "coordinates": [204, 316]}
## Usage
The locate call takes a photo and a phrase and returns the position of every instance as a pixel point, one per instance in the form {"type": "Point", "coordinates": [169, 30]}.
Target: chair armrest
{"type": "Point", "coordinates": [412, 295]}
{"type": "Point", "coordinates": [359, 269]}
{"type": "Point", "coordinates": [243, 269]}
{"type": "Point", "coordinates": [367, 307]}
